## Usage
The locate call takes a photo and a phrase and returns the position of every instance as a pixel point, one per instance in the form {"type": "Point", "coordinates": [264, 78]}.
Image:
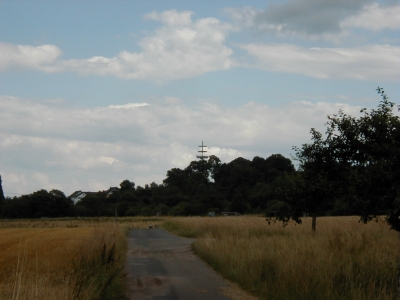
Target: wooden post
{"type": "Point", "coordinates": [314, 222]}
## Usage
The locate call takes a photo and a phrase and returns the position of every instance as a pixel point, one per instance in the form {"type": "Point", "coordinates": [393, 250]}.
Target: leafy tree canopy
{"type": "Point", "coordinates": [356, 161]}
{"type": "Point", "coordinates": [127, 185]}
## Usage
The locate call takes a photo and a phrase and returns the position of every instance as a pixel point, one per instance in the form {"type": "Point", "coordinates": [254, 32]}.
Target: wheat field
{"type": "Point", "coordinates": [56, 262]}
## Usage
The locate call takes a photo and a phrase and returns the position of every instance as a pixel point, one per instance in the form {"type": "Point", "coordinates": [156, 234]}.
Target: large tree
{"type": "Point", "coordinates": [370, 145]}
{"type": "Point", "coordinates": [357, 161]}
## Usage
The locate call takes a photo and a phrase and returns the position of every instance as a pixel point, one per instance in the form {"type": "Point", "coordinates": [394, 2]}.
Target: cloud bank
{"type": "Point", "coordinates": [362, 63]}
{"type": "Point", "coordinates": [183, 47]}
{"type": "Point", "coordinates": [75, 148]}
{"type": "Point", "coordinates": [317, 19]}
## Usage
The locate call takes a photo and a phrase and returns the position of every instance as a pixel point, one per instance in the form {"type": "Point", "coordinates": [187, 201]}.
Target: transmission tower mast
{"type": "Point", "coordinates": [202, 151]}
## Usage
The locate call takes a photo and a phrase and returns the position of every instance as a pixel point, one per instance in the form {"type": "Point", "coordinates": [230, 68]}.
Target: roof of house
{"type": "Point", "coordinates": [77, 193]}
{"type": "Point", "coordinates": [112, 189]}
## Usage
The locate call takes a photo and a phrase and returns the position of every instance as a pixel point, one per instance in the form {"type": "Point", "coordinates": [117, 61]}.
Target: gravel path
{"type": "Point", "coordinates": [161, 266]}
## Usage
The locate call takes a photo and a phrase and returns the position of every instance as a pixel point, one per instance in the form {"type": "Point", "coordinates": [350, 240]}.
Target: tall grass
{"type": "Point", "coordinates": [62, 263]}
{"type": "Point", "coordinates": [97, 271]}
{"type": "Point", "coordinates": [131, 222]}
{"type": "Point", "coordinates": [343, 260]}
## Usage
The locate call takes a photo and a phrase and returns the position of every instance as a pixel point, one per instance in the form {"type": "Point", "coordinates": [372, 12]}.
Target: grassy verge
{"type": "Point", "coordinates": [98, 271]}
{"type": "Point", "coordinates": [343, 260]}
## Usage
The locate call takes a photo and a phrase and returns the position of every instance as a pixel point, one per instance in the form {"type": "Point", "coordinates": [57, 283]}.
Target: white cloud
{"type": "Point", "coordinates": [225, 154]}
{"type": "Point", "coordinates": [375, 17]}
{"type": "Point", "coordinates": [128, 105]}
{"type": "Point", "coordinates": [41, 58]}
{"type": "Point", "coordinates": [93, 149]}
{"type": "Point", "coordinates": [363, 63]}
{"type": "Point", "coordinates": [172, 17]}
{"type": "Point", "coordinates": [107, 159]}
{"type": "Point", "coordinates": [243, 17]}
{"type": "Point", "coordinates": [181, 48]}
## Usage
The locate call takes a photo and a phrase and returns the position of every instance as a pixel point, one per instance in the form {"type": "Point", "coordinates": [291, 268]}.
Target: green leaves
{"type": "Point", "coordinates": [357, 160]}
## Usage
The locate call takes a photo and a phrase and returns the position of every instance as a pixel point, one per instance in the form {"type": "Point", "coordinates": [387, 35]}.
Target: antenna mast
{"type": "Point", "coordinates": [202, 151]}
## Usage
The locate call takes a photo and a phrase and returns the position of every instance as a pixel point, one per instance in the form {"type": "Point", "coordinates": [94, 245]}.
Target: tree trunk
{"type": "Point", "coordinates": [314, 222]}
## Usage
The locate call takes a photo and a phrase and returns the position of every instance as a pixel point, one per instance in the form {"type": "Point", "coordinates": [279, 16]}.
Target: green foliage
{"type": "Point", "coordinates": [239, 204]}
{"type": "Point", "coordinates": [127, 185]}
{"type": "Point", "coordinates": [242, 186]}
{"type": "Point", "coordinates": [355, 165]}
{"type": "Point", "coordinates": [39, 204]}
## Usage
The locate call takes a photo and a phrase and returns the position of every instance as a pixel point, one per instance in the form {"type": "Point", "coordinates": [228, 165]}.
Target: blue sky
{"type": "Point", "coordinates": [95, 92]}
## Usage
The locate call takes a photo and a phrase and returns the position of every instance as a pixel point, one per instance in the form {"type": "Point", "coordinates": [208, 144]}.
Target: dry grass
{"type": "Point", "coordinates": [58, 263]}
{"type": "Point", "coordinates": [39, 262]}
{"type": "Point", "coordinates": [78, 259]}
{"type": "Point", "coordinates": [130, 222]}
{"type": "Point", "coordinates": [343, 260]}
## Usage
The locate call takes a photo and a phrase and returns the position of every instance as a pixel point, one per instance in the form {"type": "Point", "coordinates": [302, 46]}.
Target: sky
{"type": "Point", "coordinates": [96, 92]}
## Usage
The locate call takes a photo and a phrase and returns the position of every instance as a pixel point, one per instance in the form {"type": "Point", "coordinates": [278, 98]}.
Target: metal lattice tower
{"type": "Point", "coordinates": [202, 151]}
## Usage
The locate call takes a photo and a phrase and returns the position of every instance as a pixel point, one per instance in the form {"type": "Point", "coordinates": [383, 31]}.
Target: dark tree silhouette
{"type": "Point", "coordinates": [357, 161]}
{"type": "Point", "coordinates": [1, 197]}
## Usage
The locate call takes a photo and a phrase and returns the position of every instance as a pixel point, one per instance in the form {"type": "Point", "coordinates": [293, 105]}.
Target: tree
{"type": "Point", "coordinates": [370, 147]}
{"type": "Point", "coordinates": [358, 161]}
{"type": "Point", "coordinates": [214, 163]}
{"type": "Point", "coordinates": [318, 182]}
{"type": "Point", "coordinates": [239, 203]}
{"type": "Point", "coordinates": [175, 177]}
{"type": "Point", "coordinates": [127, 185]}
{"type": "Point", "coordinates": [2, 198]}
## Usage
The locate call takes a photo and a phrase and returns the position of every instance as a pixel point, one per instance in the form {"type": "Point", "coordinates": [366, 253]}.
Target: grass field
{"type": "Point", "coordinates": [39, 262]}
{"type": "Point", "coordinates": [60, 262]}
{"type": "Point", "coordinates": [83, 259]}
{"type": "Point", "coordinates": [343, 260]}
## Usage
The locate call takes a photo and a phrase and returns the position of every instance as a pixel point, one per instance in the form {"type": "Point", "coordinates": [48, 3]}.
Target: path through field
{"type": "Point", "coordinates": [161, 266]}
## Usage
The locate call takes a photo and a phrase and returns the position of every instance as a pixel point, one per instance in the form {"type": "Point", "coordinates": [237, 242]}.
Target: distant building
{"type": "Point", "coordinates": [78, 196]}
{"type": "Point", "coordinates": [112, 190]}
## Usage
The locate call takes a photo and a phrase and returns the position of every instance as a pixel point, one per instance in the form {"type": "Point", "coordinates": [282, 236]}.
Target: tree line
{"type": "Point", "coordinates": [243, 186]}
{"type": "Point", "coordinates": [351, 169]}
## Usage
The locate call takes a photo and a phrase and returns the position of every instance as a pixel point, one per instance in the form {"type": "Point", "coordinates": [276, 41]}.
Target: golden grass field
{"type": "Point", "coordinates": [64, 258]}
{"type": "Point", "coordinates": [345, 259]}
{"type": "Point", "coordinates": [36, 262]}
{"type": "Point", "coordinates": [59, 259]}
{"type": "Point", "coordinates": [77, 259]}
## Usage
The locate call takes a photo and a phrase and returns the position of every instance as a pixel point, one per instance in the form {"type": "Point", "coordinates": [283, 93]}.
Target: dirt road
{"type": "Point", "coordinates": [161, 266]}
